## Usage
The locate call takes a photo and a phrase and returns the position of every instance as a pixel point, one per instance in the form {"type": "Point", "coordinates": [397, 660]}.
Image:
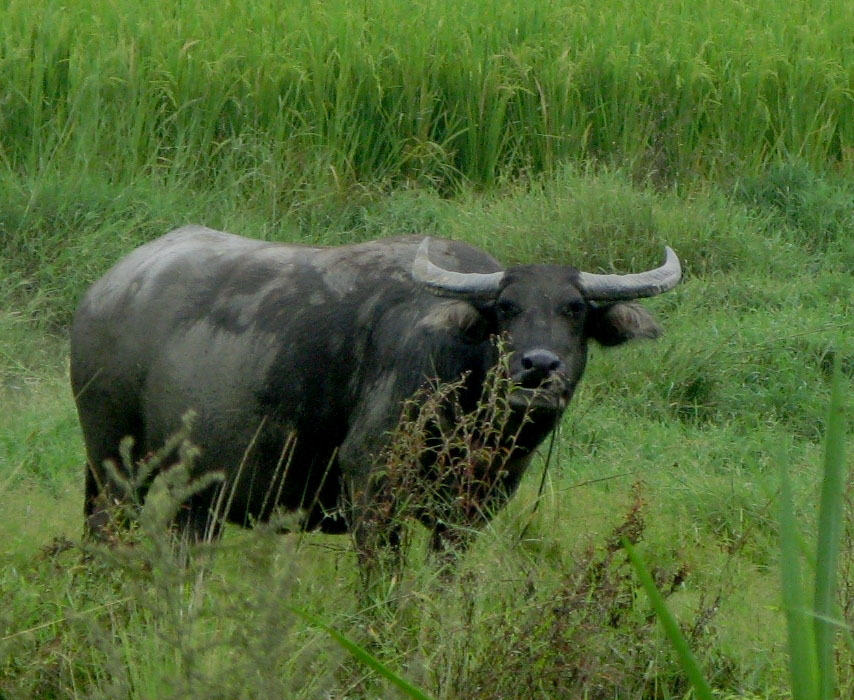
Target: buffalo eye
{"type": "Point", "coordinates": [506, 309]}
{"type": "Point", "coordinates": [573, 308]}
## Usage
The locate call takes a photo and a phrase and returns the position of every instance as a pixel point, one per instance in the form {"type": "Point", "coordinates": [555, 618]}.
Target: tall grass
{"type": "Point", "coordinates": [432, 91]}
{"type": "Point", "coordinates": [812, 630]}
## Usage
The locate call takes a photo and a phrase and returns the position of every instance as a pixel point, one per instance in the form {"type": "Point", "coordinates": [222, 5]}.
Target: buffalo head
{"type": "Point", "coordinates": [547, 313]}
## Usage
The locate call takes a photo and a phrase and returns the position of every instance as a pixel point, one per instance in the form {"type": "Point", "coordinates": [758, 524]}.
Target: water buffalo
{"type": "Point", "coordinates": [264, 341]}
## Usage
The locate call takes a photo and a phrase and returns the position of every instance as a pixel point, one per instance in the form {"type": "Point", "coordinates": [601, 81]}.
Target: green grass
{"type": "Point", "coordinates": [433, 92]}
{"type": "Point", "coordinates": [700, 418]}
{"type": "Point", "coordinates": [579, 133]}
{"type": "Point", "coordinates": [812, 630]}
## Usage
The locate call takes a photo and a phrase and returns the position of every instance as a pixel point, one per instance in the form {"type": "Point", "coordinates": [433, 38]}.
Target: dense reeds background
{"type": "Point", "coordinates": [432, 91]}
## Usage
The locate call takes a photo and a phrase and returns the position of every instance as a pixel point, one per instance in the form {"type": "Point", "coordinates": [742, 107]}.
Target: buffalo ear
{"type": "Point", "coordinates": [459, 317]}
{"type": "Point", "coordinates": [617, 323]}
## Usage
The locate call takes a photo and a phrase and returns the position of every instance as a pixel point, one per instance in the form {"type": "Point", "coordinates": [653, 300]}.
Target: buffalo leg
{"type": "Point", "coordinates": [106, 422]}
{"type": "Point", "coordinates": [104, 505]}
{"type": "Point", "coordinates": [448, 544]}
{"type": "Point", "coordinates": [373, 513]}
{"type": "Point", "coordinates": [376, 530]}
{"type": "Point", "coordinates": [196, 520]}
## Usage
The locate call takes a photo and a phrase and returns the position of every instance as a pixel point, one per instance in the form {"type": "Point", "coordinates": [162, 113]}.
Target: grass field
{"type": "Point", "coordinates": [581, 133]}
{"type": "Point", "coordinates": [434, 92]}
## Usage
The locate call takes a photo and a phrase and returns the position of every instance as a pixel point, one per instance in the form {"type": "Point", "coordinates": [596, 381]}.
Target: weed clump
{"type": "Point", "coordinates": [588, 634]}
{"type": "Point", "coordinates": [447, 465]}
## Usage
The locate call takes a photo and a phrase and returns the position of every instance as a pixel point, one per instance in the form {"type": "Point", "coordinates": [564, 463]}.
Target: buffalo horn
{"type": "Point", "coordinates": [447, 283]}
{"type": "Point", "coordinates": [633, 286]}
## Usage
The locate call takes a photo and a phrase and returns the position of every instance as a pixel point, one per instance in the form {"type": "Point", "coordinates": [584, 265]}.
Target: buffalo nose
{"type": "Point", "coordinates": [541, 361]}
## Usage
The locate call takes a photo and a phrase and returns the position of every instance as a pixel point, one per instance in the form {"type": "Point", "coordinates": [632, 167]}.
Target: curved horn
{"type": "Point", "coordinates": [446, 283]}
{"type": "Point", "coordinates": [633, 286]}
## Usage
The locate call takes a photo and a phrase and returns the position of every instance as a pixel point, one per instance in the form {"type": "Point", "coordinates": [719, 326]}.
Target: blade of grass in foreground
{"type": "Point", "coordinates": [829, 532]}
{"type": "Point", "coordinates": [803, 663]}
{"type": "Point", "coordinates": [671, 628]}
{"type": "Point", "coordinates": [363, 656]}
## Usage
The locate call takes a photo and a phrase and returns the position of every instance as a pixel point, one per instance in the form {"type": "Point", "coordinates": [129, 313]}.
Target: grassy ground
{"type": "Point", "coordinates": [719, 129]}
{"type": "Point", "coordinates": [679, 439]}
